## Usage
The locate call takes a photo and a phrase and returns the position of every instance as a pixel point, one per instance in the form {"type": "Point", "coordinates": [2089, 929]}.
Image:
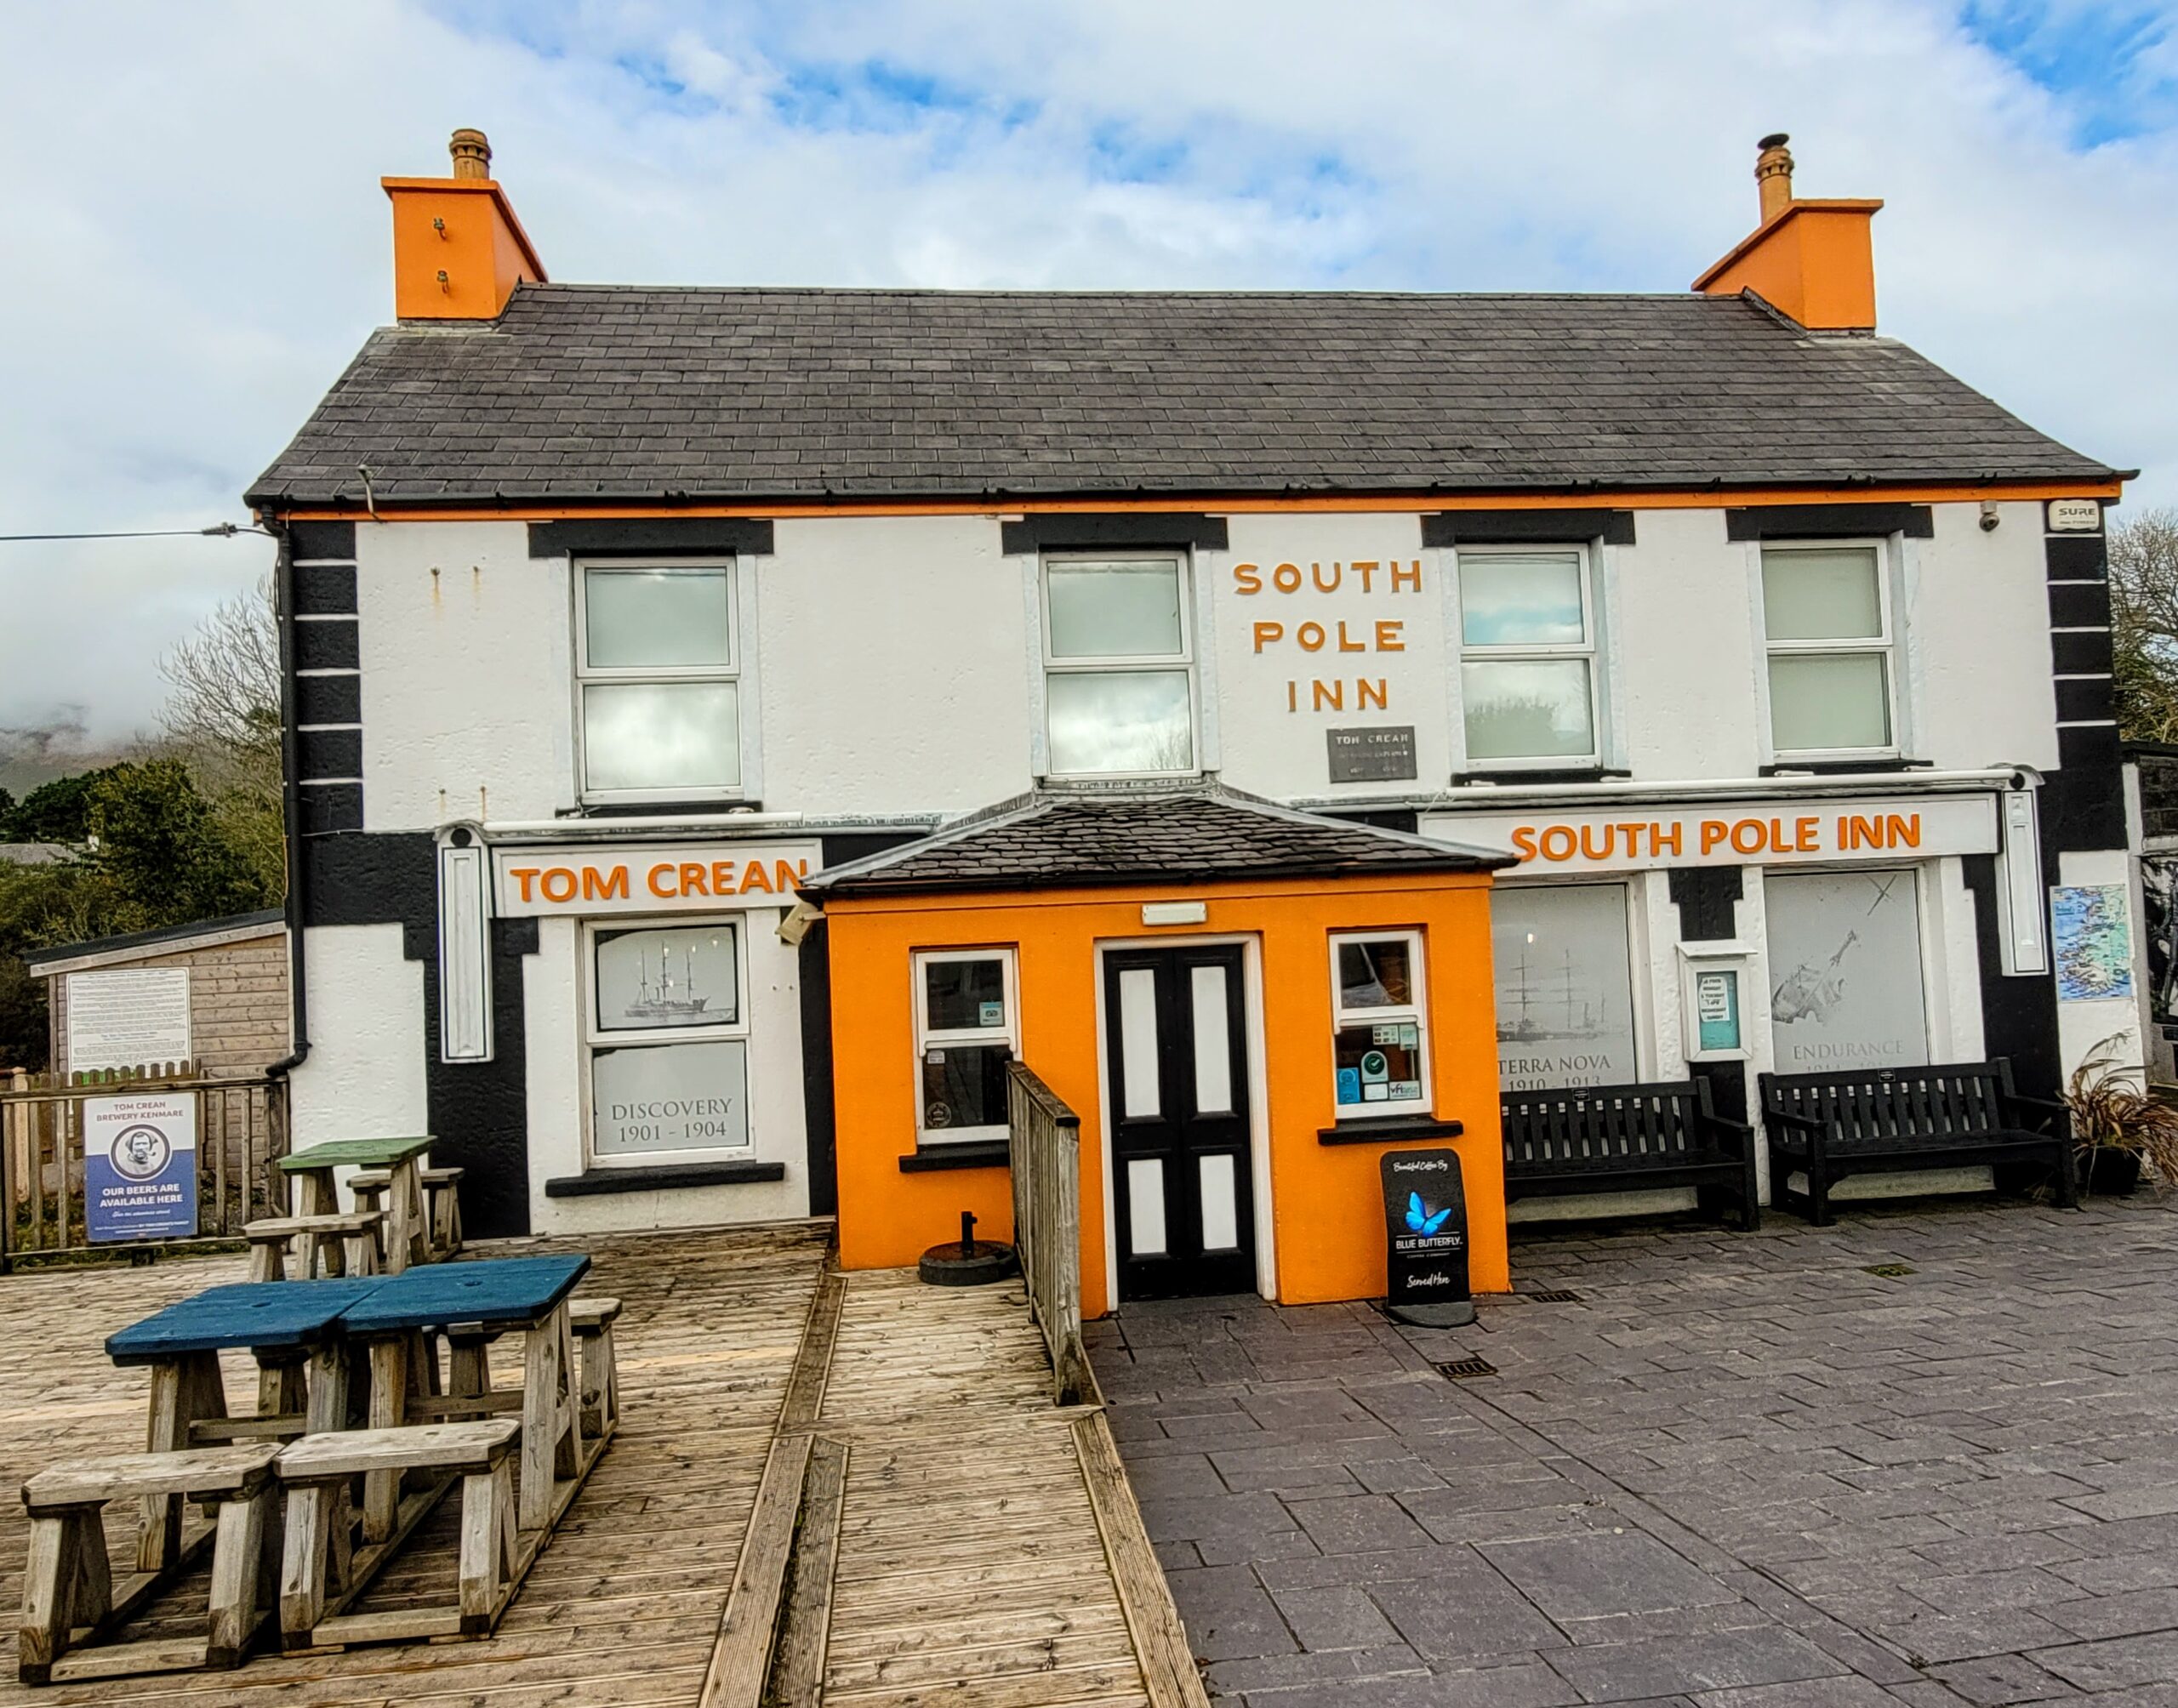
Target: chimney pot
{"type": "Point", "coordinates": [472, 154]}
{"type": "Point", "coordinates": [1773, 174]}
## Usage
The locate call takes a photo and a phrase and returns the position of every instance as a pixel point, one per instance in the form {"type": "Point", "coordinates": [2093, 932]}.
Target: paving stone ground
{"type": "Point", "coordinates": [1740, 1471]}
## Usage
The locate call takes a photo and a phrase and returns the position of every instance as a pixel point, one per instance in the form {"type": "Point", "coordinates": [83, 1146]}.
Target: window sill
{"type": "Point", "coordinates": [663, 1177]}
{"type": "Point", "coordinates": [979, 1154]}
{"type": "Point", "coordinates": [1515, 775]}
{"type": "Point", "coordinates": [1391, 1130]}
{"type": "Point", "coordinates": [1843, 767]}
{"type": "Point", "coordinates": [652, 808]}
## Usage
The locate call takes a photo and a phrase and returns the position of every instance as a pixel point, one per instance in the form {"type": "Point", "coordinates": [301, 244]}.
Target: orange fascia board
{"type": "Point", "coordinates": [459, 251]}
{"type": "Point", "coordinates": [1330, 504]}
{"type": "Point", "coordinates": [1814, 262]}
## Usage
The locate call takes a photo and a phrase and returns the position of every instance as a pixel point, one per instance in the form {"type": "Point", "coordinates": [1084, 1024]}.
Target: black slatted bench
{"type": "Point", "coordinates": [1627, 1138]}
{"type": "Point", "coordinates": [1953, 1114]}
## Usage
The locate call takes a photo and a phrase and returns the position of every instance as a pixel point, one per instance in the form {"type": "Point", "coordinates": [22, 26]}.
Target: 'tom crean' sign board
{"type": "Point", "coordinates": [718, 877]}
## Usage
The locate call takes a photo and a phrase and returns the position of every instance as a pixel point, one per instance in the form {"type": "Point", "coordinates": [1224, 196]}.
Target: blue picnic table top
{"type": "Point", "coordinates": [511, 1290]}
{"type": "Point", "coordinates": [256, 1314]}
{"type": "Point", "coordinates": [268, 1315]}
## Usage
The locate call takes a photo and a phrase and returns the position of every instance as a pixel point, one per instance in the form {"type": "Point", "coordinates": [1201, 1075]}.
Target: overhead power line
{"type": "Point", "coordinates": [217, 531]}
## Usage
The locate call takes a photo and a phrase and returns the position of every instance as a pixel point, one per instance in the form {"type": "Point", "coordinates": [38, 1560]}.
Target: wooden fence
{"type": "Point", "coordinates": [241, 1128]}
{"type": "Point", "coordinates": [1043, 1147]}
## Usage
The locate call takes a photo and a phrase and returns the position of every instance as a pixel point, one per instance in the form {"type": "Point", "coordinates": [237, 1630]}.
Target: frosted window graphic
{"type": "Point", "coordinates": [1564, 987]}
{"type": "Point", "coordinates": [681, 976]}
{"type": "Point", "coordinates": [1845, 971]}
{"type": "Point", "coordinates": [670, 1097]}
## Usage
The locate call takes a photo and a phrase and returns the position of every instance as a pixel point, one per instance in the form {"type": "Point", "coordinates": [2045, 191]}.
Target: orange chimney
{"type": "Point", "coordinates": [1813, 260]}
{"type": "Point", "coordinates": [458, 250]}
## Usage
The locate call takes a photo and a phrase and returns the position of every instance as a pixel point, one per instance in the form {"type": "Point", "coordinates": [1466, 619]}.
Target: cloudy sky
{"type": "Point", "coordinates": [197, 242]}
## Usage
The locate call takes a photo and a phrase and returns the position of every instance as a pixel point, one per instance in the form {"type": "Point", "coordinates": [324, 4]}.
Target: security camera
{"type": "Point", "coordinates": [1989, 518]}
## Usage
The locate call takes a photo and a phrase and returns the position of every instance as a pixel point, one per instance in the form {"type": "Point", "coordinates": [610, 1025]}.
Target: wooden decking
{"type": "Point", "coordinates": [972, 1569]}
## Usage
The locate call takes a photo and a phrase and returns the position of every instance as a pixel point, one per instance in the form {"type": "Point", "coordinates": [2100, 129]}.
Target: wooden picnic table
{"type": "Point", "coordinates": [407, 1229]}
{"type": "Point", "coordinates": [473, 1304]}
{"type": "Point", "coordinates": [291, 1328]}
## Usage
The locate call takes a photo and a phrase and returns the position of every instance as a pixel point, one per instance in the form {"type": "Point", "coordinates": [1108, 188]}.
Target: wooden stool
{"type": "Point", "coordinates": [70, 1599]}
{"type": "Point", "coordinates": [318, 1573]}
{"type": "Point", "coordinates": [591, 1320]}
{"type": "Point", "coordinates": [336, 1245]}
{"type": "Point", "coordinates": [442, 1209]}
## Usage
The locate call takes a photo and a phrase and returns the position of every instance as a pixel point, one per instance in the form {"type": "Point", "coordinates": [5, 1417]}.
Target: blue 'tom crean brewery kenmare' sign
{"type": "Point", "coordinates": [140, 1166]}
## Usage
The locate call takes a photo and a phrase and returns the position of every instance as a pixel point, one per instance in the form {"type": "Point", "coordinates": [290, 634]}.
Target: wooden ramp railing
{"type": "Point", "coordinates": [1043, 1144]}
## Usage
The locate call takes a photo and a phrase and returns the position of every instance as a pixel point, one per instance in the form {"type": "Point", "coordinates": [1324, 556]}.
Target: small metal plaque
{"type": "Point", "coordinates": [1375, 756]}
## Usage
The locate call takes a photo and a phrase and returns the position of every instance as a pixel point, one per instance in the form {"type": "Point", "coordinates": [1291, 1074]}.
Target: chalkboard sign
{"type": "Point", "coordinates": [1377, 755]}
{"type": "Point", "coordinates": [1425, 1232]}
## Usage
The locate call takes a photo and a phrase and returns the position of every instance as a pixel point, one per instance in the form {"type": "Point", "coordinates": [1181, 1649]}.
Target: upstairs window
{"type": "Point", "coordinates": [1119, 670]}
{"type": "Point", "coordinates": [1527, 659]}
{"type": "Point", "coordinates": [1826, 612]}
{"type": "Point", "coordinates": [657, 670]}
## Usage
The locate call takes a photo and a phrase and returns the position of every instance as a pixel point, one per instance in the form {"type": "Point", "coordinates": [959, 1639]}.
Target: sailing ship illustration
{"type": "Point", "coordinates": [1524, 1026]}
{"type": "Point", "coordinates": [1810, 991]}
{"type": "Point", "coordinates": [666, 1000]}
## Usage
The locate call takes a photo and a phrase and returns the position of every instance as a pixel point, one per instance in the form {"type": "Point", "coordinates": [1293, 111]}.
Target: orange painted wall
{"type": "Point", "coordinates": [1326, 1202]}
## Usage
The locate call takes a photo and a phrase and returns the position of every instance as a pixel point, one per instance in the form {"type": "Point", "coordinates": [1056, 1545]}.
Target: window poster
{"type": "Point", "coordinates": [670, 976]}
{"type": "Point", "coordinates": [1845, 971]}
{"type": "Point", "coordinates": [649, 1098]}
{"type": "Point", "coordinates": [2093, 941]}
{"type": "Point", "coordinates": [1565, 986]}
{"type": "Point", "coordinates": [2160, 896]}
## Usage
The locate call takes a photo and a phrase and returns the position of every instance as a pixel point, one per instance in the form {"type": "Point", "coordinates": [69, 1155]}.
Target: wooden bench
{"type": "Point", "coordinates": [319, 1573]}
{"type": "Point", "coordinates": [70, 1599]}
{"type": "Point", "coordinates": [1953, 1114]}
{"type": "Point", "coordinates": [1627, 1138]}
{"type": "Point", "coordinates": [331, 1245]}
{"type": "Point", "coordinates": [442, 1203]}
{"type": "Point", "coordinates": [591, 1321]}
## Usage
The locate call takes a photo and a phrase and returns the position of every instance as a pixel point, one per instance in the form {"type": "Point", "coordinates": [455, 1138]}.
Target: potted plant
{"type": "Point", "coordinates": [2118, 1124]}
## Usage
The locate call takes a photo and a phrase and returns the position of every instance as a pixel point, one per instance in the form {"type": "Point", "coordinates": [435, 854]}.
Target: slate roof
{"type": "Point", "coordinates": [622, 392]}
{"type": "Point", "coordinates": [1069, 840]}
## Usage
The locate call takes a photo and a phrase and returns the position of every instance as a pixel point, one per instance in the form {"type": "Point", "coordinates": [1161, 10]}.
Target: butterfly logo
{"type": "Point", "coordinates": [1419, 1218]}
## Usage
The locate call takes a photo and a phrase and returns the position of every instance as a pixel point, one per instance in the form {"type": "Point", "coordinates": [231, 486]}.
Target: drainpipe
{"type": "Point", "coordinates": [283, 606]}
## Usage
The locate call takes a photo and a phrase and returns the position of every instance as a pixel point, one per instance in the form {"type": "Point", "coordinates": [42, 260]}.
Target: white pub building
{"type": "Point", "coordinates": [709, 707]}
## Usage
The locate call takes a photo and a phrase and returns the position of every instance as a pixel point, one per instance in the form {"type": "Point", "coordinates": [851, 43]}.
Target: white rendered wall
{"type": "Point", "coordinates": [1269, 746]}
{"type": "Point", "coordinates": [1683, 629]}
{"type": "Point", "coordinates": [364, 1076]}
{"type": "Point", "coordinates": [894, 666]}
{"type": "Point", "coordinates": [1977, 633]}
{"type": "Point", "coordinates": [467, 686]}
{"type": "Point", "coordinates": [557, 1095]}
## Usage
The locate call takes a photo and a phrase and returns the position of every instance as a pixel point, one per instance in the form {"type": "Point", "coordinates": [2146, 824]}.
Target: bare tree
{"type": "Point", "coordinates": [223, 713]}
{"type": "Point", "coordinates": [2144, 623]}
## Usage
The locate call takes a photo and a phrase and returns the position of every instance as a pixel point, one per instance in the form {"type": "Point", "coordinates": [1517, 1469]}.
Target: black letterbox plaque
{"type": "Point", "coordinates": [1425, 1231]}
{"type": "Point", "coordinates": [1384, 754]}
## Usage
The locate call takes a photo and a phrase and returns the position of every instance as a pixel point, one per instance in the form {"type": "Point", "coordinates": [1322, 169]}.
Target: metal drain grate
{"type": "Point", "coordinates": [1461, 1369]}
{"type": "Point", "coordinates": [1891, 1271]}
{"type": "Point", "coordinates": [1556, 1296]}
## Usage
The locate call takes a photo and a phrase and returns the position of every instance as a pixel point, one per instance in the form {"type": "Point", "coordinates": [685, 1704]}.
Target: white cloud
{"type": "Point", "coordinates": [198, 242]}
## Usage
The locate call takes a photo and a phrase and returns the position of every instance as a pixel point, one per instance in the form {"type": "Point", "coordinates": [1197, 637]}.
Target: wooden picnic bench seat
{"type": "Point", "coordinates": [331, 1245]}
{"type": "Point", "coordinates": [1950, 1114]}
{"type": "Point", "coordinates": [591, 1321]}
{"type": "Point", "coordinates": [70, 1600]}
{"type": "Point", "coordinates": [318, 1576]}
{"type": "Point", "coordinates": [442, 1203]}
{"type": "Point", "coordinates": [1627, 1138]}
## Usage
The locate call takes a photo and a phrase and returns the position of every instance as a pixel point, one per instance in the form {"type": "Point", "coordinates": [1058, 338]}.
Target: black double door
{"type": "Point", "coordinates": [1175, 1037]}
